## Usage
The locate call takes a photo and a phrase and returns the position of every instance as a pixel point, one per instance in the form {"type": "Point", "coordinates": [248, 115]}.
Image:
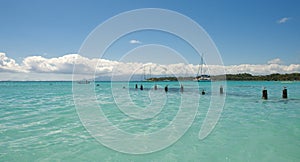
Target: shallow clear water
{"type": "Point", "coordinates": [39, 122]}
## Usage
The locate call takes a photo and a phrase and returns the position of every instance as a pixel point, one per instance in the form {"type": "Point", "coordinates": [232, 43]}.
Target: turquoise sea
{"type": "Point", "coordinates": [39, 122]}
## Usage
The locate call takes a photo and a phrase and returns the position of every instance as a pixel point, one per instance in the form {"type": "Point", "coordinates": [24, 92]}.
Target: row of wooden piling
{"type": "Point", "coordinates": [181, 88]}
{"type": "Point", "coordinates": [265, 93]}
{"type": "Point", "coordinates": [155, 87]}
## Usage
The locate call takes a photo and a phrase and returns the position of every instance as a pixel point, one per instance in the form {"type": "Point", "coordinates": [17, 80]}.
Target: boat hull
{"type": "Point", "coordinates": [203, 80]}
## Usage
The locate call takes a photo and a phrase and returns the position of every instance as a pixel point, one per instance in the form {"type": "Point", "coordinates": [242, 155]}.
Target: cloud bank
{"type": "Point", "coordinates": [61, 68]}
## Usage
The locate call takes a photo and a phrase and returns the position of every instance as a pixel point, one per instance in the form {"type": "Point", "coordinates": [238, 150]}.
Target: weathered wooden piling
{"type": "Point", "coordinates": [284, 93]}
{"type": "Point", "coordinates": [203, 92]}
{"type": "Point", "coordinates": [142, 88]}
{"type": "Point", "coordinates": [181, 88]}
{"type": "Point", "coordinates": [166, 88]}
{"type": "Point", "coordinates": [221, 89]}
{"type": "Point", "coordinates": [264, 94]}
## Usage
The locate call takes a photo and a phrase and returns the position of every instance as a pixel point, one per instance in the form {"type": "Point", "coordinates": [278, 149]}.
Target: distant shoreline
{"type": "Point", "coordinates": [229, 77]}
{"type": "Point", "coordinates": [239, 77]}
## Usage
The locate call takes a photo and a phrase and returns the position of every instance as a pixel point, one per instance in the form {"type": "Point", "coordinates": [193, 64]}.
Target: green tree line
{"type": "Point", "coordinates": [242, 76]}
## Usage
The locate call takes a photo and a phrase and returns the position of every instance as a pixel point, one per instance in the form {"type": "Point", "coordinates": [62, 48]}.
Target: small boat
{"type": "Point", "coordinates": [202, 77]}
{"type": "Point", "coordinates": [83, 82]}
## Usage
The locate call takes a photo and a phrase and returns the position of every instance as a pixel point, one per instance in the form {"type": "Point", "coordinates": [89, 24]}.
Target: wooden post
{"type": "Point", "coordinates": [203, 92]}
{"type": "Point", "coordinates": [264, 94]}
{"type": "Point", "coordinates": [221, 89]}
{"type": "Point", "coordinates": [181, 88]}
{"type": "Point", "coordinates": [284, 93]}
{"type": "Point", "coordinates": [142, 88]}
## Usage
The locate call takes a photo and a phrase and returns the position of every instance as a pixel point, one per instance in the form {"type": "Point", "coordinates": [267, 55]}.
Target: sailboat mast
{"type": "Point", "coordinates": [201, 65]}
{"type": "Point", "coordinates": [198, 71]}
{"type": "Point", "coordinates": [144, 74]}
{"type": "Point", "coordinates": [150, 72]}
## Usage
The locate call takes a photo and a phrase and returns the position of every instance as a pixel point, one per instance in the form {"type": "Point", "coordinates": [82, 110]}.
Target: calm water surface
{"type": "Point", "coordinates": [39, 122]}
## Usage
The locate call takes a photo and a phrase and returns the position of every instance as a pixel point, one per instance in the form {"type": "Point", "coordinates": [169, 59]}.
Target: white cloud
{"type": "Point", "coordinates": [133, 41]}
{"type": "Point", "coordinates": [61, 68]}
{"type": "Point", "coordinates": [9, 65]}
{"type": "Point", "coordinates": [262, 69]}
{"type": "Point", "coordinates": [65, 64]}
{"type": "Point", "coordinates": [283, 20]}
{"type": "Point", "coordinates": [275, 61]}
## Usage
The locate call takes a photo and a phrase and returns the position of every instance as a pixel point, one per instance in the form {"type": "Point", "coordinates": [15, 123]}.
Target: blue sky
{"type": "Point", "coordinates": [245, 32]}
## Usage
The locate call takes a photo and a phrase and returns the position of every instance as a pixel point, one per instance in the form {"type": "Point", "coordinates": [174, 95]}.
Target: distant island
{"type": "Point", "coordinates": [239, 77]}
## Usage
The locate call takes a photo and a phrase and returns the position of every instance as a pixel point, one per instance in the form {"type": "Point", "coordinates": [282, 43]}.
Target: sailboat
{"type": "Point", "coordinates": [202, 77]}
